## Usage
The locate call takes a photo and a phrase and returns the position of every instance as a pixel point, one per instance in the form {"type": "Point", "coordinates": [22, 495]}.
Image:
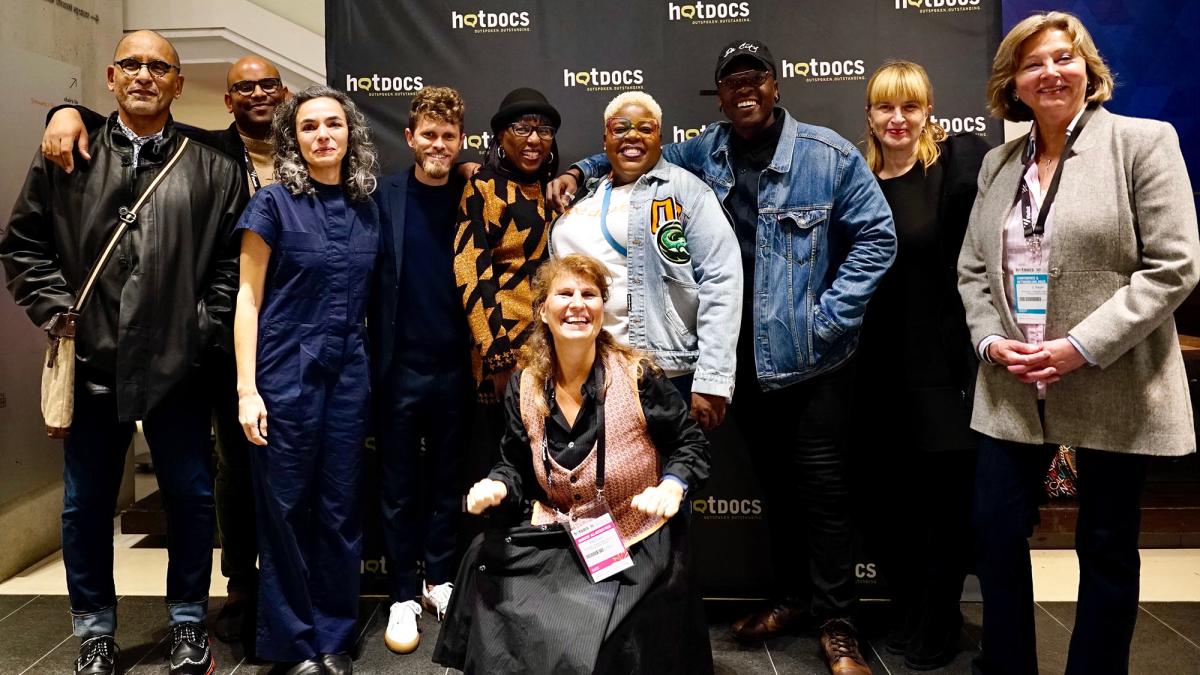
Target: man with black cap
{"type": "Point", "coordinates": [816, 237]}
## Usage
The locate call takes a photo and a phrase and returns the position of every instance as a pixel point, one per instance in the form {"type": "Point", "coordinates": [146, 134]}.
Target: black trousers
{"type": "Point", "coordinates": [423, 434]}
{"type": "Point", "coordinates": [795, 437]}
{"type": "Point", "coordinates": [234, 485]}
{"type": "Point", "coordinates": [913, 505]}
{"type": "Point", "coordinates": [1008, 489]}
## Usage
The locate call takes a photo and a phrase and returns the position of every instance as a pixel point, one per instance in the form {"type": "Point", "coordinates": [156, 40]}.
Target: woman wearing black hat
{"type": "Point", "coordinates": [502, 225]}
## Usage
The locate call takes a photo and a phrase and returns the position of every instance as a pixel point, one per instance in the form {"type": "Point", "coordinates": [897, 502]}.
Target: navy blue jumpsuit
{"type": "Point", "coordinates": [313, 378]}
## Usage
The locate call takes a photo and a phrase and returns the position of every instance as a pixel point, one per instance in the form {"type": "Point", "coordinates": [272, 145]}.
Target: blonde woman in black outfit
{"type": "Point", "coordinates": [916, 369]}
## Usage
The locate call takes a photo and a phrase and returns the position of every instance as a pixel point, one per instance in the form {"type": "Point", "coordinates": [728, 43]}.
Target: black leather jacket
{"type": "Point", "coordinates": [166, 295]}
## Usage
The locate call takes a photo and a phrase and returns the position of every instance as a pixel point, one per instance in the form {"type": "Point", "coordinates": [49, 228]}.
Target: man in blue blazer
{"type": "Point", "coordinates": [420, 366]}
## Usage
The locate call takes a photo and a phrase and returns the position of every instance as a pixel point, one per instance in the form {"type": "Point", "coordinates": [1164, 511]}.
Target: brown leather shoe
{"type": "Point", "coordinates": [839, 647]}
{"type": "Point", "coordinates": [767, 623]}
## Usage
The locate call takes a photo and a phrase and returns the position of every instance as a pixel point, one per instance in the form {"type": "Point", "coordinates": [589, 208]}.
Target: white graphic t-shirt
{"type": "Point", "coordinates": [579, 231]}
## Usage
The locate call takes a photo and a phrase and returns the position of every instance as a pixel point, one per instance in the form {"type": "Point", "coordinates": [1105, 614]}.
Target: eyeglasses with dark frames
{"type": "Point", "coordinates": [523, 129]}
{"type": "Point", "coordinates": [132, 67]}
{"type": "Point", "coordinates": [621, 126]}
{"type": "Point", "coordinates": [269, 85]}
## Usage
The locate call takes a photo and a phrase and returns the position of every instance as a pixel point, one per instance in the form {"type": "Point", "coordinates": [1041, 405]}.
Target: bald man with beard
{"type": "Point", "coordinates": [253, 89]}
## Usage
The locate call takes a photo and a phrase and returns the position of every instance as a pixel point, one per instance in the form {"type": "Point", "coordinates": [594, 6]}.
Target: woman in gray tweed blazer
{"type": "Point", "coordinates": [1081, 244]}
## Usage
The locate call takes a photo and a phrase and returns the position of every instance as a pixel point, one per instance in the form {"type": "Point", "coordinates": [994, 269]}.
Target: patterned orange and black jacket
{"type": "Point", "coordinates": [501, 240]}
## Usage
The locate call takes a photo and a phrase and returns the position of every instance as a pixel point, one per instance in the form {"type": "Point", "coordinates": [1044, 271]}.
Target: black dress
{"type": "Point", "coordinates": [914, 386]}
{"type": "Point", "coordinates": [524, 604]}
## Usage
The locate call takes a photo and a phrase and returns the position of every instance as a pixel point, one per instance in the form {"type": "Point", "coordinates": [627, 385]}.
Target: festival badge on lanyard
{"type": "Point", "coordinates": [598, 541]}
{"type": "Point", "coordinates": [1031, 285]}
{"type": "Point", "coordinates": [593, 531]}
{"type": "Point", "coordinates": [1031, 291]}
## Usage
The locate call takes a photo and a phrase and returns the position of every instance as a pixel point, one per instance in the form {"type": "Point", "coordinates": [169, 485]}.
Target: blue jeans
{"type": "Point", "coordinates": [1008, 489]}
{"type": "Point", "coordinates": [178, 433]}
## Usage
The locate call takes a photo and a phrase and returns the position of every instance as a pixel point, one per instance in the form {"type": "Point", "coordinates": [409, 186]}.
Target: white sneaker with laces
{"type": "Point", "coordinates": [437, 599]}
{"type": "Point", "coordinates": [402, 635]}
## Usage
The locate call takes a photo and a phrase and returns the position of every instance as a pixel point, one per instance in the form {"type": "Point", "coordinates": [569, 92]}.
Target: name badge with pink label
{"type": "Point", "coordinates": [599, 545]}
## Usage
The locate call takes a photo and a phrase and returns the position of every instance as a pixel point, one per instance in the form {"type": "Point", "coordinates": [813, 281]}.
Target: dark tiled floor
{"type": "Point", "coordinates": [35, 638]}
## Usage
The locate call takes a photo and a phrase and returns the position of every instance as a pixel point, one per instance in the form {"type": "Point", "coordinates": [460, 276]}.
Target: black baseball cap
{"type": "Point", "coordinates": [752, 49]}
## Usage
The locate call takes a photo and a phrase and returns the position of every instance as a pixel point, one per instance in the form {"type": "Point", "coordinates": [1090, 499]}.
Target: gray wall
{"type": "Point", "coordinates": [52, 51]}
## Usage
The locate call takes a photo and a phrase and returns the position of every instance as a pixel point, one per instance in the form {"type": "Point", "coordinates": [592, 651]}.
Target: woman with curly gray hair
{"type": "Point", "coordinates": [308, 250]}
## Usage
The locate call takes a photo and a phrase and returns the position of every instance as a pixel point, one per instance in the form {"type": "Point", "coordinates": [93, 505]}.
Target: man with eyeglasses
{"type": "Point", "coordinates": [816, 237]}
{"type": "Point", "coordinates": [254, 89]}
{"type": "Point", "coordinates": [676, 279]}
{"type": "Point", "coordinates": [162, 301]}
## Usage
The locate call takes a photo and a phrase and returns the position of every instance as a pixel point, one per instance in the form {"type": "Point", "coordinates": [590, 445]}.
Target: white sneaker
{"type": "Point", "coordinates": [437, 599]}
{"type": "Point", "coordinates": [402, 635]}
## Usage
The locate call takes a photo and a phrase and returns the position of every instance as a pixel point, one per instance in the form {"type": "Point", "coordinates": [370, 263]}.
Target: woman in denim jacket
{"type": "Point", "coordinates": [670, 252]}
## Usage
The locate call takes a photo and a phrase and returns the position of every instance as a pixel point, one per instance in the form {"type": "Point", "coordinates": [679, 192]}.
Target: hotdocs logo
{"type": "Point", "coordinates": [373, 566]}
{"type": "Point", "coordinates": [491, 22]}
{"type": "Point", "coordinates": [384, 85]}
{"type": "Point", "coordinates": [714, 508]}
{"type": "Point", "coordinates": [813, 70]}
{"type": "Point", "coordinates": [939, 6]}
{"type": "Point", "coordinates": [699, 13]}
{"type": "Point", "coordinates": [958, 125]}
{"type": "Point", "coordinates": [596, 79]}
{"type": "Point", "coordinates": [478, 142]}
{"type": "Point", "coordinates": [680, 134]}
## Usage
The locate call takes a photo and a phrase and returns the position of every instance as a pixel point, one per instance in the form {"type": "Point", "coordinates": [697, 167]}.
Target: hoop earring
{"type": "Point", "coordinates": [550, 157]}
{"type": "Point", "coordinates": [500, 152]}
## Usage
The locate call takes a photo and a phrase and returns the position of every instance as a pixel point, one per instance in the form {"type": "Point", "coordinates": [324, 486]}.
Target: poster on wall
{"type": "Point", "coordinates": [582, 54]}
{"type": "Point", "coordinates": [39, 84]}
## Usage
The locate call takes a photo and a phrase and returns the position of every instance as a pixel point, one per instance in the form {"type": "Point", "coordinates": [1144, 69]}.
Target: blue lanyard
{"type": "Point", "coordinates": [604, 221]}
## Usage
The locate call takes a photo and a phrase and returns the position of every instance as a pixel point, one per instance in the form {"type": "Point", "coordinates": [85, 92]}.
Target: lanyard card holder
{"type": "Point", "coordinates": [597, 540]}
{"type": "Point", "coordinates": [1031, 295]}
{"type": "Point", "coordinates": [594, 533]}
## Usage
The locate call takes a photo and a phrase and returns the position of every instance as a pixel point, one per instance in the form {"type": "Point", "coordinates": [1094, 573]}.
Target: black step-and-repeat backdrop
{"type": "Point", "coordinates": [582, 54]}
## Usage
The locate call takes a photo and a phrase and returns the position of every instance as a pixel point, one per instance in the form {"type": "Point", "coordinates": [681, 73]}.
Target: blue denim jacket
{"type": "Point", "coordinates": [825, 238]}
{"type": "Point", "coordinates": [685, 277]}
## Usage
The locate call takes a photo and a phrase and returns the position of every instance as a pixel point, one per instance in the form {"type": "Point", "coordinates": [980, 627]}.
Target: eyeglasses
{"type": "Point", "coordinates": [746, 78]}
{"type": "Point", "coordinates": [132, 67]}
{"type": "Point", "coordinates": [522, 129]}
{"type": "Point", "coordinates": [620, 126]}
{"type": "Point", "coordinates": [269, 85]}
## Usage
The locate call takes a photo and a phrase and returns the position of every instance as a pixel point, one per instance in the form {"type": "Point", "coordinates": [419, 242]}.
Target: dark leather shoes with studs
{"type": "Point", "coordinates": [191, 652]}
{"type": "Point", "coordinates": [97, 656]}
{"type": "Point", "coordinates": [337, 664]}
